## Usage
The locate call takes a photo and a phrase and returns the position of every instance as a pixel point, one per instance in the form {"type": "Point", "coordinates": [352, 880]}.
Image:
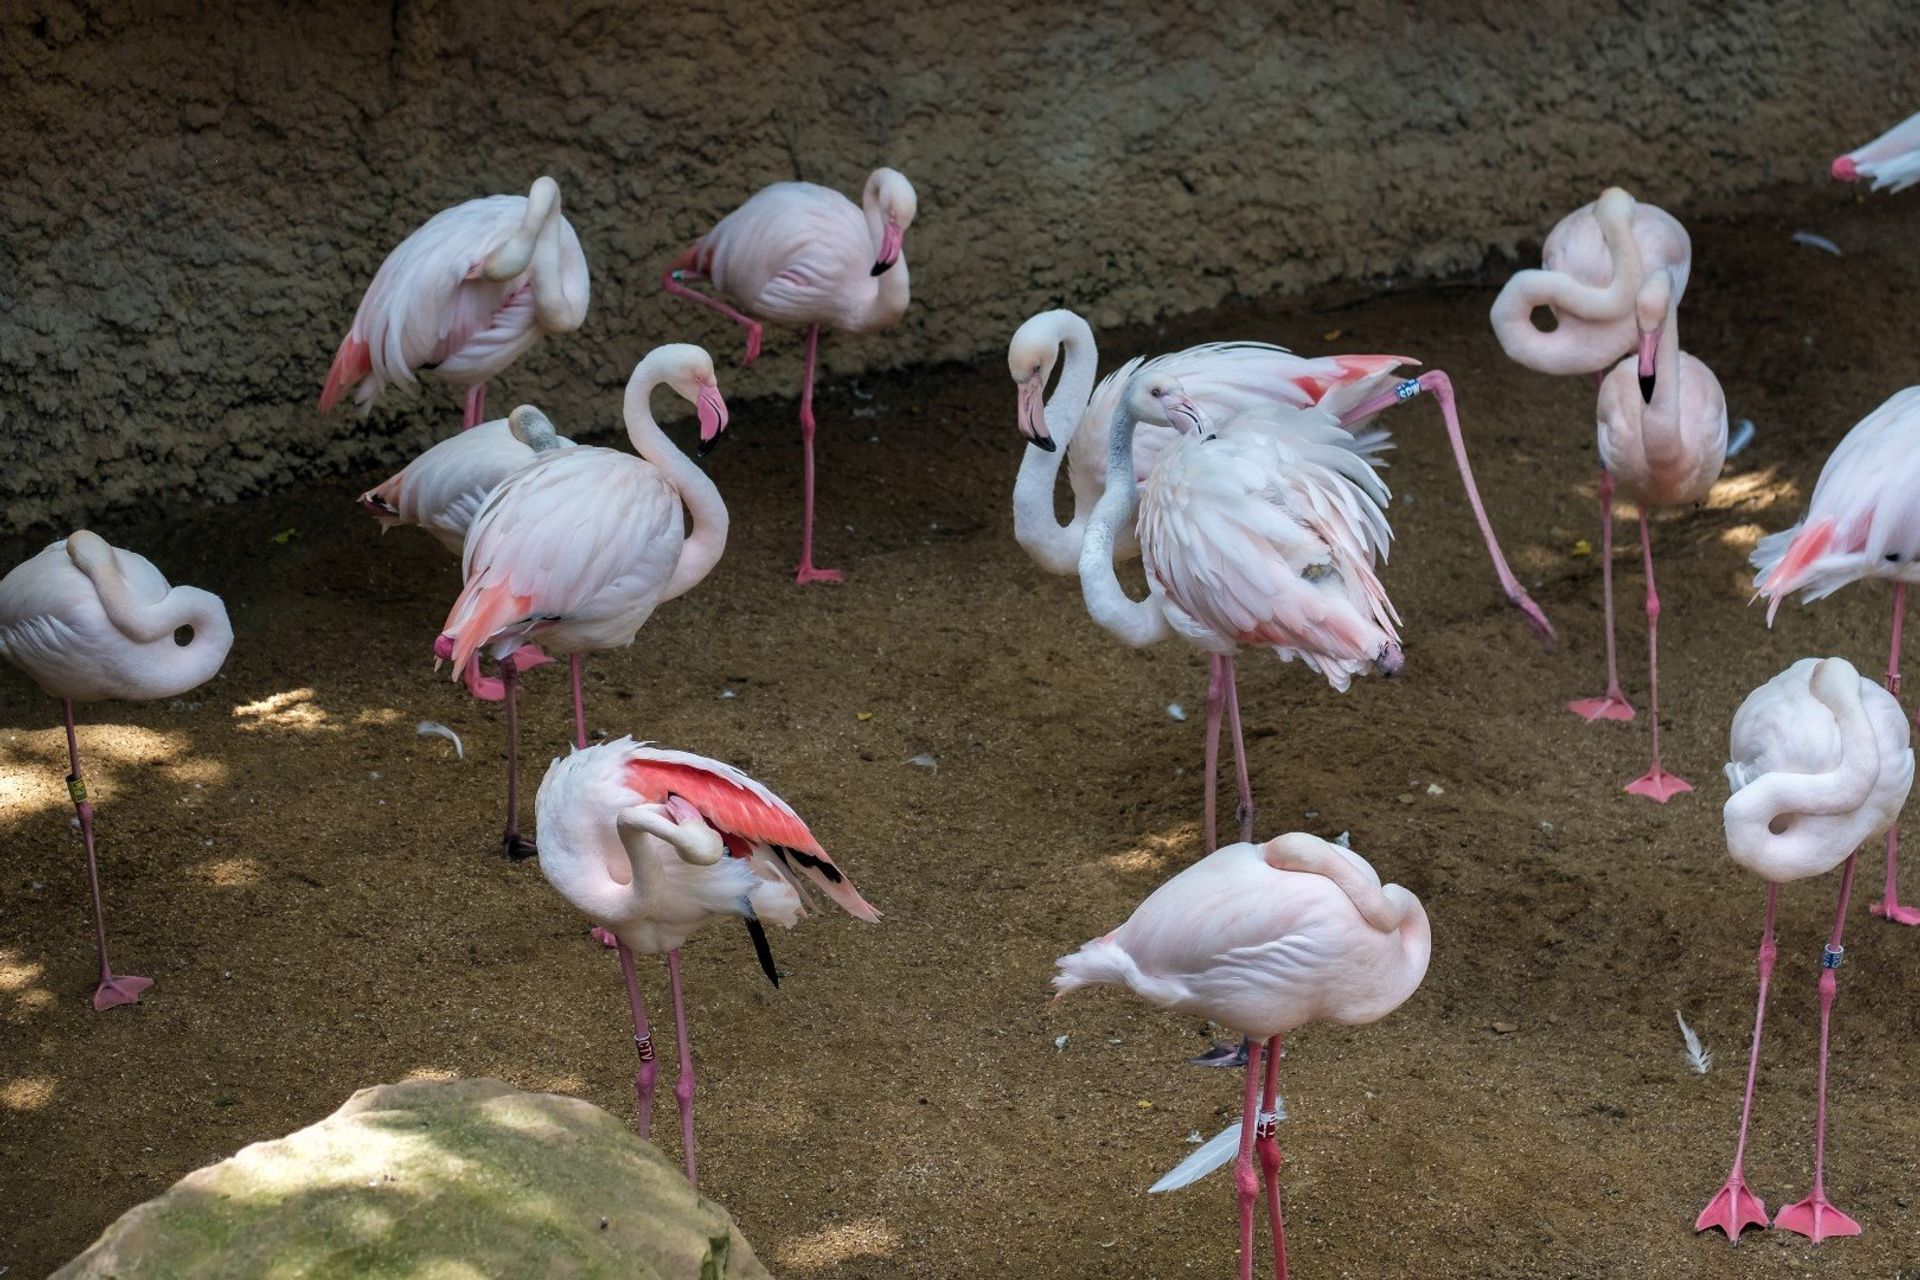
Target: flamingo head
{"type": "Point", "coordinates": [1160, 399]}
{"type": "Point", "coordinates": [516, 252]}
{"type": "Point", "coordinates": [532, 428]}
{"type": "Point", "coordinates": [1652, 308]}
{"type": "Point", "coordinates": [89, 551]}
{"type": "Point", "coordinates": [1844, 169]}
{"type": "Point", "coordinates": [691, 376]}
{"type": "Point", "coordinates": [1030, 360]}
{"type": "Point", "coordinates": [894, 195]}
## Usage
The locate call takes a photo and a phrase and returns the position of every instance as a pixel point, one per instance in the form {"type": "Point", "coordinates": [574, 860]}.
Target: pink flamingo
{"type": "Point", "coordinates": [1224, 379]}
{"type": "Point", "coordinates": [87, 620]}
{"type": "Point", "coordinates": [638, 838]}
{"type": "Point", "coordinates": [1663, 439]}
{"type": "Point", "coordinates": [1820, 766]}
{"type": "Point", "coordinates": [797, 253]}
{"type": "Point", "coordinates": [464, 296]}
{"type": "Point", "coordinates": [444, 488]}
{"type": "Point", "coordinates": [1593, 266]}
{"type": "Point", "coordinates": [1863, 522]}
{"type": "Point", "coordinates": [577, 549]}
{"type": "Point", "coordinates": [1891, 160]}
{"type": "Point", "coordinates": [1264, 939]}
{"type": "Point", "coordinates": [1264, 532]}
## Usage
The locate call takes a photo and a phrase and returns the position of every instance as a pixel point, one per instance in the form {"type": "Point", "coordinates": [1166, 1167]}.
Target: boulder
{"type": "Point", "coordinates": [431, 1180]}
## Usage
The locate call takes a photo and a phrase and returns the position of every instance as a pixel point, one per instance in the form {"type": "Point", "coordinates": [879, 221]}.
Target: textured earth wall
{"type": "Point", "coordinates": [196, 194]}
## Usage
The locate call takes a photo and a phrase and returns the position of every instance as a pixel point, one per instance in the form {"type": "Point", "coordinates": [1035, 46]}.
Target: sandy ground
{"type": "Point", "coordinates": [315, 888]}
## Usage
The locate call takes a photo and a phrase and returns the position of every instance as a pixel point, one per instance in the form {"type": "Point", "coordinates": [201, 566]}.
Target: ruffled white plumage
{"type": "Point", "coordinates": [800, 253]}
{"type": "Point", "coordinates": [444, 488]}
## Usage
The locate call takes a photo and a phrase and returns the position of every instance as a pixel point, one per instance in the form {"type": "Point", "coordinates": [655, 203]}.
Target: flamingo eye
{"type": "Point", "coordinates": [1157, 393]}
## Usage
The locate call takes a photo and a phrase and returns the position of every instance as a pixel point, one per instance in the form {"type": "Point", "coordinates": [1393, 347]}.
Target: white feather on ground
{"type": "Point", "coordinates": [434, 729]}
{"type": "Point", "coordinates": [1698, 1058]}
{"type": "Point", "coordinates": [1216, 1151]}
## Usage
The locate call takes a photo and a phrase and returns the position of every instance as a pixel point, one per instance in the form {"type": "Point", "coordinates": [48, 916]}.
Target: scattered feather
{"type": "Point", "coordinates": [1813, 241]}
{"type": "Point", "coordinates": [1060, 1042]}
{"type": "Point", "coordinates": [728, 693]}
{"type": "Point", "coordinates": [1344, 839]}
{"type": "Point", "coordinates": [1742, 436]}
{"type": "Point", "coordinates": [1698, 1058]}
{"type": "Point", "coordinates": [1435, 789]}
{"type": "Point", "coordinates": [1194, 1139]}
{"type": "Point", "coordinates": [924, 761]}
{"type": "Point", "coordinates": [1176, 712]}
{"type": "Point", "coordinates": [434, 729]}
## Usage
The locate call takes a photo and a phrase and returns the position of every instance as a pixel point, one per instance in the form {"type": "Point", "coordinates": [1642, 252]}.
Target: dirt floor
{"type": "Point", "coordinates": [316, 891]}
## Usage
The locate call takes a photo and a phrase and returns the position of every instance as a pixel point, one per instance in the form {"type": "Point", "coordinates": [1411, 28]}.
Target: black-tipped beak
{"type": "Point", "coordinates": [1646, 389]}
{"type": "Point", "coordinates": [705, 447]}
{"type": "Point", "coordinates": [880, 268]}
{"type": "Point", "coordinates": [1043, 443]}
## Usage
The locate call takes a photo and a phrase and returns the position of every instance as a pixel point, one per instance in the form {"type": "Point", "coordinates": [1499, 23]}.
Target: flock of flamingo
{"type": "Point", "coordinates": [1246, 479]}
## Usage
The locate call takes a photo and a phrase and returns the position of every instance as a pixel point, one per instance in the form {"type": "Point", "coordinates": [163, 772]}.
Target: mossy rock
{"type": "Point", "coordinates": [431, 1180]}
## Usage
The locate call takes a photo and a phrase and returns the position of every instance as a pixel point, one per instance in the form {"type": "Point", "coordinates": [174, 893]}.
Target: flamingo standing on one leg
{"type": "Point", "coordinates": [576, 550]}
{"type": "Point", "coordinates": [1264, 532]}
{"type": "Point", "coordinates": [463, 297]}
{"type": "Point", "coordinates": [1862, 522]}
{"type": "Point", "coordinates": [1664, 440]}
{"type": "Point", "coordinates": [1593, 266]}
{"type": "Point", "coordinates": [1820, 766]}
{"type": "Point", "coordinates": [639, 839]}
{"type": "Point", "coordinates": [1891, 160]}
{"type": "Point", "coordinates": [87, 620]}
{"type": "Point", "coordinates": [804, 254]}
{"type": "Point", "coordinates": [444, 488]}
{"type": "Point", "coordinates": [1264, 939]}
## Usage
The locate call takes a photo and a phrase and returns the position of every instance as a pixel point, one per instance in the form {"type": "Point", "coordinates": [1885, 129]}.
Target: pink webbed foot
{"type": "Point", "coordinates": [806, 573]}
{"type": "Point", "coordinates": [118, 990]}
{"type": "Point", "coordinates": [1896, 913]}
{"type": "Point", "coordinates": [1657, 784]}
{"type": "Point", "coordinates": [753, 346]}
{"type": "Point", "coordinates": [1219, 1055]}
{"type": "Point", "coordinates": [1613, 705]}
{"type": "Point", "coordinates": [602, 937]}
{"type": "Point", "coordinates": [1733, 1209]}
{"type": "Point", "coordinates": [485, 688]}
{"type": "Point", "coordinates": [1816, 1219]}
{"type": "Point", "coordinates": [527, 657]}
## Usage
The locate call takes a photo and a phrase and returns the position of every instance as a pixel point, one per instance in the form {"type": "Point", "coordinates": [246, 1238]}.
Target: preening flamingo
{"type": "Point", "coordinates": [577, 549]}
{"type": "Point", "coordinates": [1820, 765]}
{"type": "Point", "coordinates": [652, 844]}
{"type": "Point", "coordinates": [444, 488]}
{"type": "Point", "coordinates": [1593, 267]}
{"type": "Point", "coordinates": [463, 297]}
{"type": "Point", "coordinates": [87, 620]}
{"type": "Point", "coordinates": [1264, 939]}
{"type": "Point", "coordinates": [1264, 532]}
{"type": "Point", "coordinates": [1663, 439]}
{"type": "Point", "coordinates": [1224, 379]}
{"type": "Point", "coordinates": [1862, 522]}
{"type": "Point", "coordinates": [1891, 160]}
{"type": "Point", "coordinates": [797, 253]}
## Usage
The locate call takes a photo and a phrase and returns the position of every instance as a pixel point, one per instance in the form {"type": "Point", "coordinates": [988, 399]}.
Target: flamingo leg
{"type": "Point", "coordinates": [805, 572]}
{"type": "Point", "coordinates": [671, 283]}
{"type": "Point", "coordinates": [1270, 1158]}
{"type": "Point", "coordinates": [1612, 705]}
{"type": "Point", "coordinates": [649, 1069]}
{"type": "Point", "coordinates": [1216, 704]}
{"type": "Point", "coordinates": [1734, 1208]}
{"type": "Point", "coordinates": [476, 411]}
{"type": "Point", "coordinates": [683, 1087]}
{"type": "Point", "coordinates": [1656, 783]}
{"type": "Point", "coordinates": [513, 845]}
{"type": "Point", "coordinates": [1246, 1184]}
{"type": "Point", "coordinates": [1815, 1217]}
{"type": "Point", "coordinates": [113, 989]}
{"type": "Point", "coordinates": [1245, 812]}
{"type": "Point", "coordinates": [1889, 907]}
{"type": "Point", "coordinates": [1441, 388]}
{"type": "Point", "coordinates": [482, 687]}
{"type": "Point", "coordinates": [574, 662]}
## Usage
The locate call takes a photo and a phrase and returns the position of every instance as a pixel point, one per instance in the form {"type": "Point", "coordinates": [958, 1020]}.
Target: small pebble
{"type": "Point", "coordinates": [1505, 1028]}
{"type": "Point", "coordinates": [1059, 1042]}
{"type": "Point", "coordinates": [1434, 789]}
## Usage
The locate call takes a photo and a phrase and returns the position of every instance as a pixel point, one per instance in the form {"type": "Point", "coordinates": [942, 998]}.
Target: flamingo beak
{"type": "Point", "coordinates": [1648, 342]}
{"type": "Point", "coordinates": [713, 417]}
{"type": "Point", "coordinates": [1033, 413]}
{"type": "Point", "coordinates": [1845, 170]}
{"type": "Point", "coordinates": [891, 241]}
{"type": "Point", "coordinates": [1181, 409]}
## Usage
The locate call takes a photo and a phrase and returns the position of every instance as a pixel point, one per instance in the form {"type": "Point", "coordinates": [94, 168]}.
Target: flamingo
{"type": "Point", "coordinates": [1593, 267]}
{"type": "Point", "coordinates": [1664, 440]}
{"type": "Point", "coordinates": [1264, 532]}
{"type": "Point", "coordinates": [1862, 522]}
{"type": "Point", "coordinates": [1820, 766]}
{"type": "Point", "coordinates": [652, 844]}
{"type": "Point", "coordinates": [88, 620]}
{"type": "Point", "coordinates": [1892, 160]}
{"type": "Point", "coordinates": [444, 488]}
{"type": "Point", "coordinates": [577, 549]}
{"type": "Point", "coordinates": [464, 296]}
{"type": "Point", "coordinates": [797, 253]}
{"type": "Point", "coordinates": [1225, 379]}
{"type": "Point", "coordinates": [1264, 939]}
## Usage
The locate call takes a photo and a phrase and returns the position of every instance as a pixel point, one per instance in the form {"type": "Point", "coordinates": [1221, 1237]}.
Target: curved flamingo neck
{"type": "Point", "coordinates": [1056, 547]}
{"type": "Point", "coordinates": [1133, 622]}
{"type": "Point", "coordinates": [1561, 352]}
{"type": "Point", "coordinates": [698, 494]}
{"type": "Point", "coordinates": [1661, 435]}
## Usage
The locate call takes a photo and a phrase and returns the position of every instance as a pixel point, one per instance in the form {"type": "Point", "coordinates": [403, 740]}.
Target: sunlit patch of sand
{"type": "Point", "coordinates": [432, 1073]}
{"type": "Point", "coordinates": [1742, 537]}
{"type": "Point", "coordinates": [17, 972]}
{"type": "Point", "coordinates": [229, 873]}
{"type": "Point", "coordinates": [26, 1093]}
{"type": "Point", "coordinates": [374, 717]}
{"type": "Point", "coordinates": [1152, 854]}
{"type": "Point", "coordinates": [293, 709]}
{"type": "Point", "coordinates": [1752, 491]}
{"type": "Point", "coordinates": [839, 1244]}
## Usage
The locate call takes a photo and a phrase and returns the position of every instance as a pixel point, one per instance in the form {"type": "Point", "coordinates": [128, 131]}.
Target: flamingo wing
{"type": "Point", "coordinates": [744, 812]}
{"type": "Point", "coordinates": [791, 252]}
{"type": "Point", "coordinates": [1892, 160]}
